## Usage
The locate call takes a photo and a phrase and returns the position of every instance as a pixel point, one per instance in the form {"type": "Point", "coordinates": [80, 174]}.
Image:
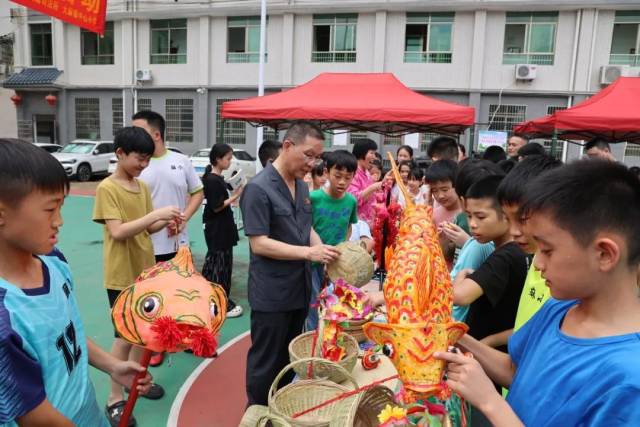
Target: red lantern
{"type": "Point", "coordinates": [51, 99]}
{"type": "Point", "coordinates": [16, 99]}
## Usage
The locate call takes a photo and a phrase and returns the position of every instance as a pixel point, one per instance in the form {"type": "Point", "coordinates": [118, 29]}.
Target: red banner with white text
{"type": "Point", "coordinates": [88, 14]}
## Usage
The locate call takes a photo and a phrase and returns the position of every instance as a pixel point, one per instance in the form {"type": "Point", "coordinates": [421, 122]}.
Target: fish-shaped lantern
{"type": "Point", "coordinates": [418, 294]}
{"type": "Point", "coordinates": [171, 307]}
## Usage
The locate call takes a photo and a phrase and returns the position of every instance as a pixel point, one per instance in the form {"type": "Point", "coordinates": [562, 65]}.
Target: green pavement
{"type": "Point", "coordinates": [81, 242]}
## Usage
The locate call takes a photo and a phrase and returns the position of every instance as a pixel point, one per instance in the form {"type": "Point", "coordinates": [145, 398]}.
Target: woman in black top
{"type": "Point", "coordinates": [220, 231]}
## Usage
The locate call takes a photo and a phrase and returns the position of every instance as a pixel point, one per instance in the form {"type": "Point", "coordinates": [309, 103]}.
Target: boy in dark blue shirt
{"type": "Point", "coordinates": [576, 361]}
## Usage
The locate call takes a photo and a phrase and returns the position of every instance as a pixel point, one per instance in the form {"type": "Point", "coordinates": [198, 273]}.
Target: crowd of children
{"type": "Point", "coordinates": [544, 260]}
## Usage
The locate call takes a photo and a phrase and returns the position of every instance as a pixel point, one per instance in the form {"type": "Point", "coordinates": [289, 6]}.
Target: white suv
{"type": "Point", "coordinates": [83, 159]}
{"type": "Point", "coordinates": [241, 160]}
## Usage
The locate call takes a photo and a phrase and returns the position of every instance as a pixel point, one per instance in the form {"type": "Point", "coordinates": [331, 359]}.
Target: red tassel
{"type": "Point", "coordinates": [168, 334]}
{"type": "Point", "coordinates": [203, 343]}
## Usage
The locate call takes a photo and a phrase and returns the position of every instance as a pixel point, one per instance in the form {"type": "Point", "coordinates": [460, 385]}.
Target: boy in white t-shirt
{"type": "Point", "coordinates": [172, 181]}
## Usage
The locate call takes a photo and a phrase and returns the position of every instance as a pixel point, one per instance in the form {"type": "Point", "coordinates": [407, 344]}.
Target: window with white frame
{"type": "Point", "coordinates": [425, 140]}
{"type": "Point", "coordinates": [97, 49]}
{"type": "Point", "coordinates": [144, 104]}
{"type": "Point", "coordinates": [243, 39]}
{"type": "Point", "coordinates": [356, 135]}
{"type": "Point", "coordinates": [116, 115]}
{"type": "Point", "coordinates": [625, 40]}
{"type": "Point", "coordinates": [504, 117]}
{"type": "Point", "coordinates": [334, 38]}
{"type": "Point", "coordinates": [169, 41]}
{"type": "Point", "coordinates": [632, 150]}
{"type": "Point", "coordinates": [179, 116]}
{"type": "Point", "coordinates": [530, 37]}
{"type": "Point", "coordinates": [269, 133]}
{"type": "Point", "coordinates": [41, 44]}
{"type": "Point", "coordinates": [391, 140]}
{"type": "Point", "coordinates": [233, 131]}
{"type": "Point", "coordinates": [428, 37]}
{"type": "Point", "coordinates": [87, 118]}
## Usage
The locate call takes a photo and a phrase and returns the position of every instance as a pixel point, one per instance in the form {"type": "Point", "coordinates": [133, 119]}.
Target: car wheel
{"type": "Point", "coordinates": [84, 172]}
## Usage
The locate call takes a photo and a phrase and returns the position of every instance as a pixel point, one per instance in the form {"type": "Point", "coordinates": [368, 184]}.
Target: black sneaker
{"type": "Point", "coordinates": [114, 413]}
{"type": "Point", "coordinates": [155, 392]}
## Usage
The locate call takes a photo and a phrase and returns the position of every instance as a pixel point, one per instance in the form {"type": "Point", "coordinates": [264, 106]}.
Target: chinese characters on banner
{"type": "Point", "coordinates": [88, 14]}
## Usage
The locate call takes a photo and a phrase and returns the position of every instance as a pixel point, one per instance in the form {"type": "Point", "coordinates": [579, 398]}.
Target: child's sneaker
{"type": "Point", "coordinates": [235, 312]}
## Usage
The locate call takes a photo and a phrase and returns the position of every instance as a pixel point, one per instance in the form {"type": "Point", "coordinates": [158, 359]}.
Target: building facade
{"type": "Point", "coordinates": [185, 58]}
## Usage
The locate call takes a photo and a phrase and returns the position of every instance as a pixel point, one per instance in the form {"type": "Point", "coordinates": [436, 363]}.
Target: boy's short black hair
{"type": "Point", "coordinates": [155, 120]}
{"type": "Point", "coordinates": [587, 197]}
{"type": "Point", "coordinates": [442, 170]}
{"type": "Point", "coordinates": [416, 173]}
{"type": "Point", "coordinates": [494, 154]}
{"type": "Point", "coordinates": [362, 146]}
{"type": "Point", "coordinates": [133, 139]}
{"type": "Point", "coordinates": [342, 160]}
{"type": "Point", "coordinates": [531, 149]}
{"type": "Point", "coordinates": [319, 168]}
{"type": "Point", "coordinates": [471, 171]}
{"type": "Point", "coordinates": [597, 143]}
{"type": "Point", "coordinates": [513, 186]}
{"type": "Point", "coordinates": [25, 168]}
{"type": "Point", "coordinates": [462, 148]}
{"type": "Point", "coordinates": [507, 165]}
{"type": "Point", "coordinates": [444, 148]}
{"type": "Point", "coordinates": [268, 150]}
{"type": "Point", "coordinates": [486, 188]}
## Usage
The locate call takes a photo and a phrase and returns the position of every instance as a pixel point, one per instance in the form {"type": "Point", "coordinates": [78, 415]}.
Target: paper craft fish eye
{"type": "Point", "coordinates": [388, 350]}
{"type": "Point", "coordinates": [150, 305]}
{"type": "Point", "coordinates": [213, 308]}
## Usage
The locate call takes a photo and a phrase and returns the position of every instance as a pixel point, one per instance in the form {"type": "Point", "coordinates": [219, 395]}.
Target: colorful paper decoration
{"type": "Point", "coordinates": [418, 295]}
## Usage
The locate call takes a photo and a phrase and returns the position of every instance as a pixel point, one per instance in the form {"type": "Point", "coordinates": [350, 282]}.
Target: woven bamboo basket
{"type": "Point", "coordinates": [300, 347]}
{"type": "Point", "coordinates": [272, 420]}
{"type": "Point", "coordinates": [305, 394]}
{"type": "Point", "coordinates": [355, 328]}
{"type": "Point", "coordinates": [364, 409]}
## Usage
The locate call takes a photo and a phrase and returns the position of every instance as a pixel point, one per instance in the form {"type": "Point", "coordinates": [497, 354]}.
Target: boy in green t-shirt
{"type": "Point", "coordinates": [510, 194]}
{"type": "Point", "coordinates": [334, 210]}
{"type": "Point", "coordinates": [123, 205]}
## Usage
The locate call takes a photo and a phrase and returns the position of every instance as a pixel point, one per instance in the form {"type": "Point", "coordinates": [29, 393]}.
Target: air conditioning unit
{"type": "Point", "coordinates": [526, 71]}
{"type": "Point", "coordinates": [610, 73]}
{"type": "Point", "coordinates": [143, 75]}
{"type": "Point", "coordinates": [3, 69]}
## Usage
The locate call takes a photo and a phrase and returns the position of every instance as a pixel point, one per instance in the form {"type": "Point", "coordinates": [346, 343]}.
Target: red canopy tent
{"type": "Point", "coordinates": [364, 101]}
{"type": "Point", "coordinates": [612, 114]}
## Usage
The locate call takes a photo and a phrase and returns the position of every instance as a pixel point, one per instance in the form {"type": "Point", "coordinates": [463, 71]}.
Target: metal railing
{"type": "Point", "coordinates": [428, 57]}
{"type": "Point", "coordinates": [349, 56]}
{"type": "Point", "coordinates": [244, 57]}
{"type": "Point", "coordinates": [168, 58]}
{"type": "Point", "coordinates": [528, 58]}
{"type": "Point", "coordinates": [624, 59]}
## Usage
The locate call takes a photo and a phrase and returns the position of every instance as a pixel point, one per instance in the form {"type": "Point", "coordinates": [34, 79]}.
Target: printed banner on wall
{"type": "Point", "coordinates": [88, 14]}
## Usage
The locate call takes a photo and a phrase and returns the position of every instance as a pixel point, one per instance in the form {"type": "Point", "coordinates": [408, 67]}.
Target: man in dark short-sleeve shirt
{"type": "Point", "coordinates": [276, 211]}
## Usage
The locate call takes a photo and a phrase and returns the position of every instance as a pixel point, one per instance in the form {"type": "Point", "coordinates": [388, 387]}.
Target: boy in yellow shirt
{"type": "Point", "coordinates": [510, 194]}
{"type": "Point", "coordinates": [123, 205]}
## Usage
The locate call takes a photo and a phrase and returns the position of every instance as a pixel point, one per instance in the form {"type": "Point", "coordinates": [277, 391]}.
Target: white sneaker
{"type": "Point", "coordinates": [235, 312]}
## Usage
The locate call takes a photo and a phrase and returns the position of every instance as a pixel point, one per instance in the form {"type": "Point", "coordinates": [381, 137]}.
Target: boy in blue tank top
{"type": "Point", "coordinates": [44, 353]}
{"type": "Point", "coordinates": [575, 362]}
